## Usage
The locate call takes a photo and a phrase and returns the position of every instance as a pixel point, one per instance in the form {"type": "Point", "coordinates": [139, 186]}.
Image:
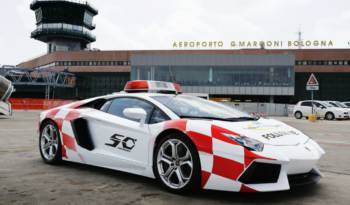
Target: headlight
{"type": "Point", "coordinates": [250, 144]}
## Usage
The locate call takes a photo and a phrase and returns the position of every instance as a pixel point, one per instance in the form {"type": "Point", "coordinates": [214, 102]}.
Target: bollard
{"type": "Point", "coordinates": [312, 118]}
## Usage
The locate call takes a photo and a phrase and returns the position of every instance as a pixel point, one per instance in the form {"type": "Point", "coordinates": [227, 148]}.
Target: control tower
{"type": "Point", "coordinates": [64, 25]}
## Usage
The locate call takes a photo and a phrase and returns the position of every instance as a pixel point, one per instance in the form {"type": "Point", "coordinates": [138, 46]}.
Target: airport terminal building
{"type": "Point", "coordinates": [258, 75]}
{"type": "Point", "coordinates": [247, 75]}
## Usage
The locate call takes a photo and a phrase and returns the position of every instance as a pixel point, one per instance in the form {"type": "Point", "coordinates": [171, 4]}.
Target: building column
{"type": "Point", "coordinates": [272, 99]}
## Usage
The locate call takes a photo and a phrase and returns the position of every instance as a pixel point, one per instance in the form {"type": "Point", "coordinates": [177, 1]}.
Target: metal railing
{"type": "Point", "coordinates": [44, 77]}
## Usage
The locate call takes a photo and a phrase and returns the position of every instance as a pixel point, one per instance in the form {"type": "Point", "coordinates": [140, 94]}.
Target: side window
{"type": "Point", "coordinates": [308, 104]}
{"type": "Point", "coordinates": [317, 104]}
{"type": "Point", "coordinates": [158, 116]}
{"type": "Point", "coordinates": [105, 106]}
{"type": "Point", "coordinates": [119, 104]}
{"type": "Point", "coordinates": [332, 103]}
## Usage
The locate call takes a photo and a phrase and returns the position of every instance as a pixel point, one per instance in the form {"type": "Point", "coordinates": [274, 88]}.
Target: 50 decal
{"type": "Point", "coordinates": [121, 142]}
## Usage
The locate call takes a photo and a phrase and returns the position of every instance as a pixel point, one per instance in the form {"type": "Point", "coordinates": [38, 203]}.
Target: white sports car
{"type": "Point", "coordinates": [185, 142]}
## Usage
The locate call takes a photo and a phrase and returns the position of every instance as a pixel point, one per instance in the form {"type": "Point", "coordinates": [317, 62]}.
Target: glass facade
{"type": "Point", "coordinates": [96, 84]}
{"type": "Point", "coordinates": [62, 28]}
{"type": "Point", "coordinates": [333, 86]}
{"type": "Point", "coordinates": [39, 15]}
{"type": "Point", "coordinates": [250, 76]}
{"type": "Point", "coordinates": [88, 16]}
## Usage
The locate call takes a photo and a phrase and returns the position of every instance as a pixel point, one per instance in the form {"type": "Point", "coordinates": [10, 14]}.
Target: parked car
{"type": "Point", "coordinates": [321, 109]}
{"type": "Point", "coordinates": [338, 104]}
{"type": "Point", "coordinates": [346, 103]}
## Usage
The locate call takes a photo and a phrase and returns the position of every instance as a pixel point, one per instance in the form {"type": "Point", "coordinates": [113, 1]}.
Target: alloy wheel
{"type": "Point", "coordinates": [49, 142]}
{"type": "Point", "coordinates": [298, 115]}
{"type": "Point", "coordinates": [174, 163]}
{"type": "Point", "coordinates": [329, 116]}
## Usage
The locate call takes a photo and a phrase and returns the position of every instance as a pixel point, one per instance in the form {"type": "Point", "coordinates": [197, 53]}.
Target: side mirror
{"type": "Point", "coordinates": [136, 114]}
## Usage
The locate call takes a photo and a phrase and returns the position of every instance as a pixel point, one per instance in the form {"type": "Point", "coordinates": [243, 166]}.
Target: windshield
{"type": "Point", "coordinates": [326, 104]}
{"type": "Point", "coordinates": [341, 105]}
{"type": "Point", "coordinates": [193, 107]}
{"type": "Point", "coordinates": [334, 104]}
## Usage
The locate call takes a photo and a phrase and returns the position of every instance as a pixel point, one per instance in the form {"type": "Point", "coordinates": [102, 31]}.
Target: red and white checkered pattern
{"type": "Point", "coordinates": [222, 160]}
{"type": "Point", "coordinates": [63, 118]}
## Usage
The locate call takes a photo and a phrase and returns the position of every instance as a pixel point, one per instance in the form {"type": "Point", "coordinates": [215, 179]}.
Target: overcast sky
{"type": "Point", "coordinates": [156, 24]}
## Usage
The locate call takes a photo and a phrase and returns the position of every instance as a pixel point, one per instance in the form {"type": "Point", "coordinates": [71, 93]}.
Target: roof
{"type": "Point", "coordinates": [95, 69]}
{"type": "Point", "coordinates": [141, 94]}
{"type": "Point", "coordinates": [300, 54]}
{"type": "Point", "coordinates": [36, 3]}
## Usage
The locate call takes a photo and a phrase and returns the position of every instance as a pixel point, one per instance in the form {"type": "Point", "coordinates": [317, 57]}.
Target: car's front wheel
{"type": "Point", "coordinates": [176, 164]}
{"type": "Point", "coordinates": [50, 143]}
{"type": "Point", "coordinates": [329, 116]}
{"type": "Point", "coordinates": [298, 115]}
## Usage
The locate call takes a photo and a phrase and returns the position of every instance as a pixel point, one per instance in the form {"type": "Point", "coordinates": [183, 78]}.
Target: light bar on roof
{"type": "Point", "coordinates": [152, 86]}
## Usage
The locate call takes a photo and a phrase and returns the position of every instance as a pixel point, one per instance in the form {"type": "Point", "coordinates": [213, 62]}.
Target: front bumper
{"type": "Point", "coordinates": [277, 168]}
{"type": "Point", "coordinates": [298, 166]}
{"type": "Point", "coordinates": [311, 177]}
{"type": "Point", "coordinates": [276, 179]}
{"type": "Point", "coordinates": [342, 116]}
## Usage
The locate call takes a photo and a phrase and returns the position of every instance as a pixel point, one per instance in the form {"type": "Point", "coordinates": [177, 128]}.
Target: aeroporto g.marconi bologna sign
{"type": "Point", "coordinates": [253, 44]}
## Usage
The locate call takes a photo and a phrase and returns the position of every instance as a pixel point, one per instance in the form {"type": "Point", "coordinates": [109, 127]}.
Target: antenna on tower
{"type": "Point", "coordinates": [299, 38]}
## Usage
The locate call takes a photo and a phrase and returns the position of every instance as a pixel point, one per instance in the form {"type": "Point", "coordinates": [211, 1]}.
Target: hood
{"type": "Point", "coordinates": [267, 131]}
{"type": "Point", "coordinates": [338, 109]}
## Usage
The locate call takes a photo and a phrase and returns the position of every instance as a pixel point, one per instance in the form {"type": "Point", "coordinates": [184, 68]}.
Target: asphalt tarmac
{"type": "Point", "coordinates": [25, 179]}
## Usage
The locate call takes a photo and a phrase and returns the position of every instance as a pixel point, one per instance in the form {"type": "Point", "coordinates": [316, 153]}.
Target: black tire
{"type": "Point", "coordinates": [298, 115]}
{"type": "Point", "coordinates": [194, 183]}
{"type": "Point", "coordinates": [58, 154]}
{"type": "Point", "coordinates": [329, 116]}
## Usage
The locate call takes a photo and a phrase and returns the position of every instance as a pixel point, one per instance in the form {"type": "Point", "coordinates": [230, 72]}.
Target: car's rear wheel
{"type": "Point", "coordinates": [50, 143]}
{"type": "Point", "coordinates": [329, 116]}
{"type": "Point", "coordinates": [176, 164]}
{"type": "Point", "coordinates": [298, 115]}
